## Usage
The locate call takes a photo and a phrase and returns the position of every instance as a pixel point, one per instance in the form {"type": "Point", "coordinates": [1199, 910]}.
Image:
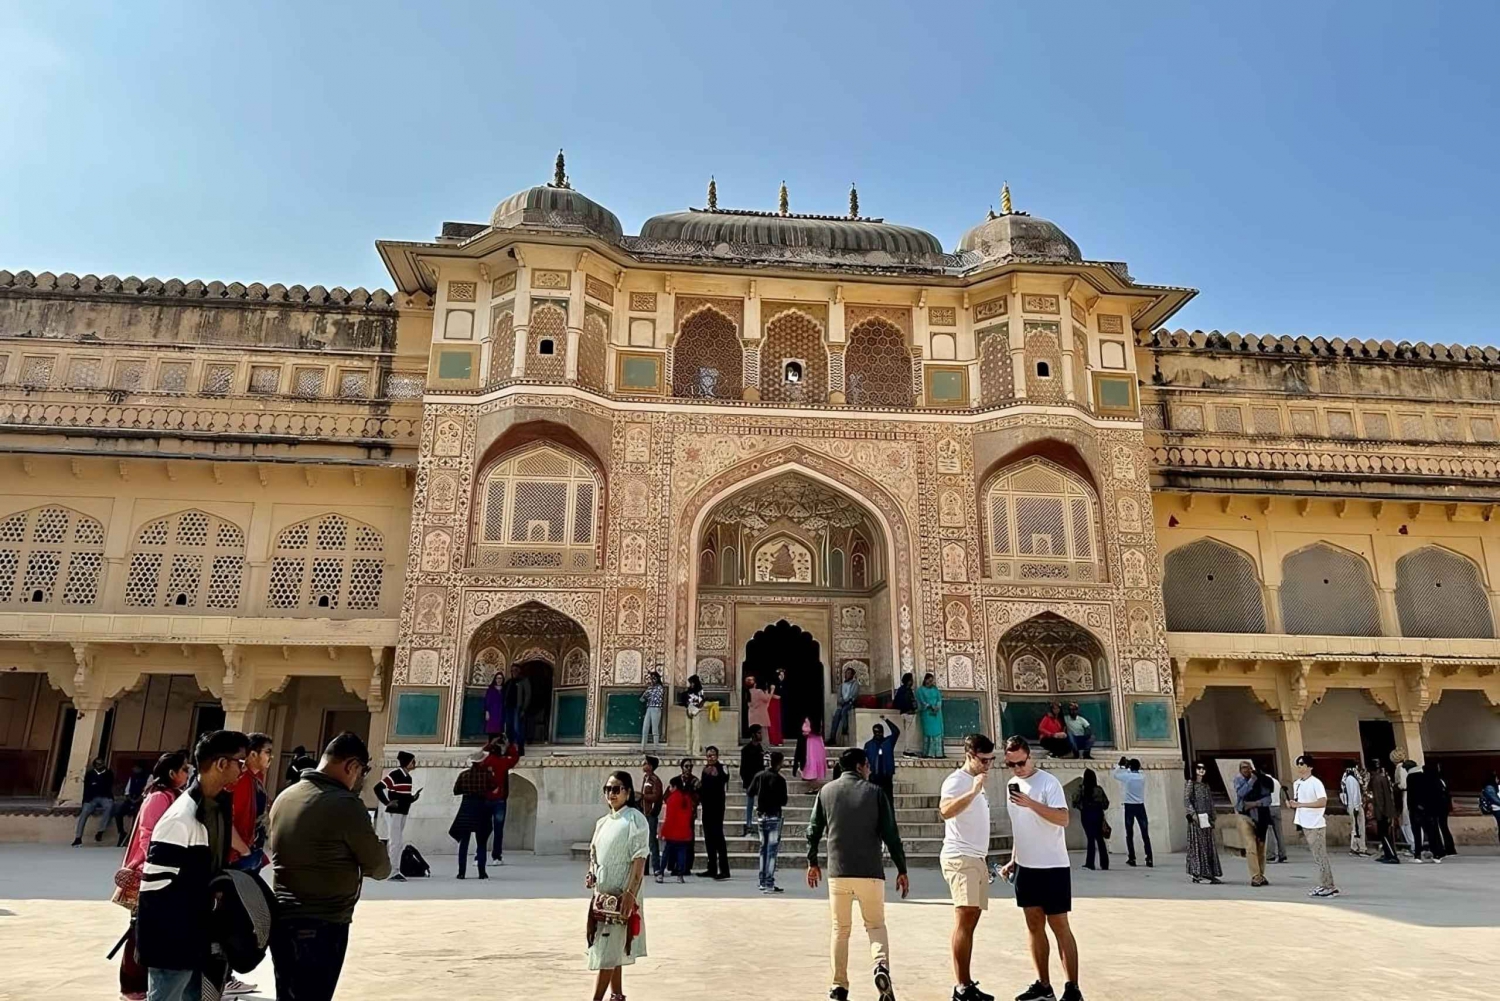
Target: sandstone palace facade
{"type": "Point", "coordinates": [737, 441]}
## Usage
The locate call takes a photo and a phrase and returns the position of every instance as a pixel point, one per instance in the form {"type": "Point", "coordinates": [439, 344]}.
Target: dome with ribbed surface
{"type": "Point", "coordinates": [1018, 236]}
{"type": "Point", "coordinates": [549, 207]}
{"type": "Point", "coordinates": [810, 232]}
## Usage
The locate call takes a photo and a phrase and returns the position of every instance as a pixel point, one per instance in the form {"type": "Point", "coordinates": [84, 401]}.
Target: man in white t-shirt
{"type": "Point", "coordinates": [1310, 799]}
{"type": "Point", "coordinates": [1040, 868]}
{"type": "Point", "coordinates": [965, 810]}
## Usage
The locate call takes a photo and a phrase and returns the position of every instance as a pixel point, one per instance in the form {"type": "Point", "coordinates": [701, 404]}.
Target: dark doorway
{"type": "Point", "coordinates": [207, 717]}
{"type": "Point", "coordinates": [539, 713]}
{"type": "Point", "coordinates": [1377, 739]}
{"type": "Point", "coordinates": [783, 645]}
{"type": "Point", "coordinates": [67, 722]}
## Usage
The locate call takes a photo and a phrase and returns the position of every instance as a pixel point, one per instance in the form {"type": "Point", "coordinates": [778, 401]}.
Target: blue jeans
{"type": "Point", "coordinates": [749, 813]}
{"type": "Point", "coordinates": [173, 985]}
{"type": "Point", "coordinates": [770, 845]}
{"type": "Point", "coordinates": [481, 839]}
{"type": "Point", "coordinates": [515, 727]}
{"type": "Point", "coordinates": [102, 805]}
{"type": "Point", "coordinates": [840, 721]}
{"type": "Point", "coordinates": [497, 817]}
{"type": "Point", "coordinates": [1081, 745]}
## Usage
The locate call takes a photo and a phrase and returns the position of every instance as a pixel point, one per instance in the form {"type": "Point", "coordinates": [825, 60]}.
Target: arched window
{"type": "Point", "coordinates": [502, 345]}
{"type": "Point", "coordinates": [325, 565]}
{"type": "Point", "coordinates": [50, 556]}
{"type": "Point", "coordinates": [537, 510]}
{"type": "Point", "coordinates": [1327, 591]}
{"type": "Point", "coordinates": [793, 360]}
{"type": "Point", "coordinates": [859, 565]}
{"type": "Point", "coordinates": [1042, 524]}
{"type": "Point", "coordinates": [728, 566]}
{"type": "Point", "coordinates": [172, 555]}
{"type": "Point", "coordinates": [877, 366]}
{"type": "Point", "coordinates": [593, 343]}
{"type": "Point", "coordinates": [836, 568]}
{"type": "Point", "coordinates": [1440, 594]}
{"type": "Point", "coordinates": [1212, 588]}
{"type": "Point", "coordinates": [707, 358]}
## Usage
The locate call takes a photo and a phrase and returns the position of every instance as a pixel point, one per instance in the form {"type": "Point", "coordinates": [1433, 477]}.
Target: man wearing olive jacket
{"type": "Point", "coordinates": [857, 817]}
{"type": "Point", "coordinates": [322, 846]}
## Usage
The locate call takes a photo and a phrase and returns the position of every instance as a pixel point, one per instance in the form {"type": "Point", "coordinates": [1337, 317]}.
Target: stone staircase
{"type": "Point", "coordinates": [916, 815]}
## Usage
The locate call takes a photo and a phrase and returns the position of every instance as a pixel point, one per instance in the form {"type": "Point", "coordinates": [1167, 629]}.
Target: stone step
{"type": "Point", "coordinates": [795, 828]}
{"type": "Point", "coordinates": [798, 816]}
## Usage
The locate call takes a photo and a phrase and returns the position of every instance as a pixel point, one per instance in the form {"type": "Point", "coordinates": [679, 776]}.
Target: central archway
{"type": "Point", "coordinates": [1048, 658]}
{"type": "Point", "coordinates": [790, 648]}
{"type": "Point", "coordinates": [802, 560]}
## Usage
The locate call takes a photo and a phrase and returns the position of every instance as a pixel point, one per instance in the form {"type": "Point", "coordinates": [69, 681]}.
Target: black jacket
{"type": "Point", "coordinates": [174, 917]}
{"type": "Point", "coordinates": [769, 790]}
{"type": "Point", "coordinates": [98, 785]}
{"type": "Point", "coordinates": [713, 788]}
{"type": "Point", "coordinates": [752, 763]}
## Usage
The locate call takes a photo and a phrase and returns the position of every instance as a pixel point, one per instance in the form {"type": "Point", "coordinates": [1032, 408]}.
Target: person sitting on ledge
{"type": "Point", "coordinates": [1052, 735]}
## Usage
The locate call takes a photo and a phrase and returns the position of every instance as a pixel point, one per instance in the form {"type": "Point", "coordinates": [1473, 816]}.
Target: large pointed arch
{"type": "Point", "coordinates": [883, 507]}
{"type": "Point", "coordinates": [1327, 590]}
{"type": "Point", "coordinates": [707, 357]}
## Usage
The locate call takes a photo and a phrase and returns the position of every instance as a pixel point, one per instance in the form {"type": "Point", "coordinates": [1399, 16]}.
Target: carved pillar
{"type": "Point", "coordinates": [1390, 621]}
{"type": "Point", "coordinates": [1288, 745]}
{"type": "Point", "coordinates": [521, 320]}
{"type": "Point", "coordinates": [1070, 391]}
{"type": "Point", "coordinates": [87, 730]}
{"type": "Point", "coordinates": [837, 341]}
{"type": "Point", "coordinates": [575, 320]}
{"type": "Point", "coordinates": [1273, 608]}
{"type": "Point", "coordinates": [375, 700]}
{"type": "Point", "coordinates": [1409, 736]}
{"type": "Point", "coordinates": [1018, 358]}
{"type": "Point", "coordinates": [750, 339]}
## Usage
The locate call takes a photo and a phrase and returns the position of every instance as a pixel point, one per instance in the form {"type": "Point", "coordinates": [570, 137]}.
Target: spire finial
{"type": "Point", "coordinates": [560, 172]}
{"type": "Point", "coordinates": [1005, 208]}
{"type": "Point", "coordinates": [713, 194]}
{"type": "Point", "coordinates": [782, 204]}
{"type": "Point", "coordinates": [853, 201]}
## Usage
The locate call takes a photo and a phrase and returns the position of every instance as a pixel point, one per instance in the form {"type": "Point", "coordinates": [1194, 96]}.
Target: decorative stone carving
{"type": "Point", "coordinates": [575, 669]}
{"type": "Point", "coordinates": [442, 493]}
{"type": "Point", "coordinates": [437, 549]}
{"type": "Point", "coordinates": [949, 456]}
{"type": "Point", "coordinates": [1133, 563]}
{"type": "Point", "coordinates": [628, 667]}
{"type": "Point", "coordinates": [950, 509]}
{"type": "Point", "coordinates": [643, 302]}
{"type": "Point", "coordinates": [1123, 464]}
{"type": "Point", "coordinates": [960, 671]}
{"type": "Point", "coordinates": [955, 562]}
{"type": "Point", "coordinates": [448, 439]}
{"type": "Point", "coordinates": [424, 667]}
{"type": "Point", "coordinates": [1128, 513]}
{"type": "Point", "coordinates": [711, 670]}
{"type": "Point", "coordinates": [1140, 631]}
{"type": "Point", "coordinates": [430, 617]}
{"type": "Point", "coordinates": [1146, 676]}
{"type": "Point", "coordinates": [633, 554]}
{"type": "Point", "coordinates": [956, 624]}
{"type": "Point", "coordinates": [637, 443]}
{"type": "Point", "coordinates": [635, 498]}
{"type": "Point", "coordinates": [630, 617]}
{"type": "Point", "coordinates": [852, 617]}
{"type": "Point", "coordinates": [710, 615]}
{"type": "Point", "coordinates": [1028, 674]}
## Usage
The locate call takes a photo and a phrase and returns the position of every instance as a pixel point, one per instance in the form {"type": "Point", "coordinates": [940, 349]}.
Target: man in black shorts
{"type": "Point", "coordinates": [1040, 868]}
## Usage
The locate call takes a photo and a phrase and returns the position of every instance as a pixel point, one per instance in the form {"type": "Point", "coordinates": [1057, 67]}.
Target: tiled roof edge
{"type": "Point", "coordinates": [1318, 347]}
{"type": "Point", "coordinates": [176, 288]}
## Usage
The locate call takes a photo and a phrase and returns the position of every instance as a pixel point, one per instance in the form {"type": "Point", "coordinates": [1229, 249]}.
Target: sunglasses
{"type": "Point", "coordinates": [613, 790]}
{"type": "Point", "coordinates": [1016, 764]}
{"type": "Point", "coordinates": [985, 759]}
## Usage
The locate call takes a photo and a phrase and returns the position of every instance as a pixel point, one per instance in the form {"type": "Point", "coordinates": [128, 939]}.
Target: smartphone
{"type": "Point", "coordinates": [1012, 788]}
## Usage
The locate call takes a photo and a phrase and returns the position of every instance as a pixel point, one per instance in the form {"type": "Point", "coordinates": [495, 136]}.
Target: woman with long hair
{"type": "Point", "coordinates": [168, 777]}
{"type": "Point", "coordinates": [814, 756]}
{"type": "Point", "coordinates": [757, 706]}
{"type": "Point", "coordinates": [1091, 802]}
{"type": "Point", "coordinates": [693, 703]}
{"type": "Point", "coordinates": [1198, 801]}
{"type": "Point", "coordinates": [494, 706]}
{"type": "Point", "coordinates": [778, 697]}
{"type": "Point", "coordinates": [618, 854]}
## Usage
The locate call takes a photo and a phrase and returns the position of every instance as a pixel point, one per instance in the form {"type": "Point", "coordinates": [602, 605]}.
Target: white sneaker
{"type": "Point", "coordinates": [236, 986]}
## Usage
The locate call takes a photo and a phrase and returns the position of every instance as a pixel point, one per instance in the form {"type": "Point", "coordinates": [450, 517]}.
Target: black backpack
{"type": "Point", "coordinates": [413, 864]}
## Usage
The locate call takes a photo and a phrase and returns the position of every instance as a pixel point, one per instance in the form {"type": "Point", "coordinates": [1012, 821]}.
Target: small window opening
{"type": "Point", "coordinates": [323, 601]}
{"type": "Point", "coordinates": [1043, 370]}
{"type": "Point", "coordinates": [545, 346]}
{"type": "Point", "coordinates": [181, 599]}
{"type": "Point", "coordinates": [37, 595]}
{"type": "Point", "coordinates": [794, 371]}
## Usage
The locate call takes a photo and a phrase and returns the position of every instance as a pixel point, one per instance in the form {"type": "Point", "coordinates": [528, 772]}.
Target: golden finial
{"type": "Point", "coordinates": [1005, 208]}
{"type": "Point", "coordinates": [713, 194]}
{"type": "Point", "coordinates": [560, 172]}
{"type": "Point", "coordinates": [782, 204]}
{"type": "Point", "coordinates": [853, 202]}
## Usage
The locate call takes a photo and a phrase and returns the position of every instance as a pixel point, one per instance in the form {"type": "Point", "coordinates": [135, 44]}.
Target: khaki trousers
{"type": "Point", "coordinates": [842, 894]}
{"type": "Point", "coordinates": [1255, 850]}
{"type": "Point", "coordinates": [695, 736]}
{"type": "Point", "coordinates": [1317, 840]}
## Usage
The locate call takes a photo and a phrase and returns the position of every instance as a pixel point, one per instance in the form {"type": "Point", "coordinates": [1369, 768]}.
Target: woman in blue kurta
{"type": "Point", "coordinates": [930, 708]}
{"type": "Point", "coordinates": [617, 868]}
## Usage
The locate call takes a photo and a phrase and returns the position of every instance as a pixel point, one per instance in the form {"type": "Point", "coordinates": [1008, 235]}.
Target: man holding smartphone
{"type": "Point", "coordinates": [966, 842]}
{"type": "Point", "coordinates": [1040, 868]}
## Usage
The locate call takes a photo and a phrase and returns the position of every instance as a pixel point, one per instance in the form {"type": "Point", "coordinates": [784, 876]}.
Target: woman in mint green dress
{"type": "Point", "coordinates": [618, 854]}
{"type": "Point", "coordinates": [930, 710]}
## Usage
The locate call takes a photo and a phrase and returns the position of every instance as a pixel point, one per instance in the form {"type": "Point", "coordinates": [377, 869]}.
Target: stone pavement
{"type": "Point", "coordinates": [1395, 933]}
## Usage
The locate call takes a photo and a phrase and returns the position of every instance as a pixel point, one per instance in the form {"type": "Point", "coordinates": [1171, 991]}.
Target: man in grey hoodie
{"type": "Point", "coordinates": [848, 694]}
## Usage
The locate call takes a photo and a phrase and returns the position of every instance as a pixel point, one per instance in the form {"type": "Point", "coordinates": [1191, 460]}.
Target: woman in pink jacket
{"type": "Point", "coordinates": [167, 780]}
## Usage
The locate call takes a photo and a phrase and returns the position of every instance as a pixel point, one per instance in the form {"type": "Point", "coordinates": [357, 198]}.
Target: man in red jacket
{"type": "Point", "coordinates": [501, 756]}
{"type": "Point", "coordinates": [251, 801]}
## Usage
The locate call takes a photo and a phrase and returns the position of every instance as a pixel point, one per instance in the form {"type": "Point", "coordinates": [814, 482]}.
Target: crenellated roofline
{"type": "Point", "coordinates": [1316, 347]}
{"type": "Point", "coordinates": [111, 286]}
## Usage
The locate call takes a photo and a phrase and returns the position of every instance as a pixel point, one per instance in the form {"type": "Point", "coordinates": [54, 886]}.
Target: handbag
{"type": "Point", "coordinates": [127, 891]}
{"type": "Point", "coordinates": [1105, 830]}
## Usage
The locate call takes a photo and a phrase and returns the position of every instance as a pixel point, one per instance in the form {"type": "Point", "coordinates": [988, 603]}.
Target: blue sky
{"type": "Point", "coordinates": [1313, 168]}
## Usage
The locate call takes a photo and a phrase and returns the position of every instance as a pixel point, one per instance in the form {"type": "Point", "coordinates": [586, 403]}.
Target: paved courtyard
{"type": "Point", "coordinates": [1395, 933]}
